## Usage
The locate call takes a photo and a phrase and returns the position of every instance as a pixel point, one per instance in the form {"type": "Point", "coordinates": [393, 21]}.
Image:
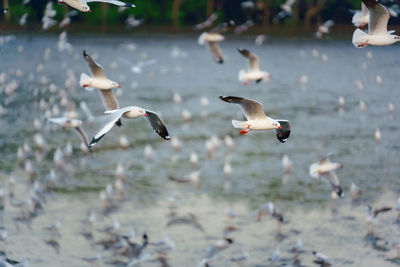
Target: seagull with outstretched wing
{"type": "Point", "coordinates": [256, 118]}
{"type": "Point", "coordinates": [82, 5]}
{"type": "Point", "coordinates": [131, 112]}
{"type": "Point", "coordinates": [377, 27]}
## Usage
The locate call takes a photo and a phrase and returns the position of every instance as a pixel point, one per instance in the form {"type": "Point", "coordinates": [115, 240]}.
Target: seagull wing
{"type": "Point", "coordinates": [96, 70]}
{"type": "Point", "coordinates": [110, 102]}
{"type": "Point", "coordinates": [83, 135]}
{"type": "Point", "coordinates": [334, 182]}
{"type": "Point", "coordinates": [251, 109]}
{"type": "Point", "coordinates": [378, 17]}
{"type": "Point", "coordinates": [114, 2]}
{"type": "Point", "coordinates": [109, 123]}
{"type": "Point", "coordinates": [364, 9]}
{"type": "Point", "coordinates": [328, 23]}
{"type": "Point", "coordinates": [223, 27]}
{"type": "Point", "coordinates": [254, 62]}
{"type": "Point", "coordinates": [216, 52]}
{"type": "Point", "coordinates": [157, 124]}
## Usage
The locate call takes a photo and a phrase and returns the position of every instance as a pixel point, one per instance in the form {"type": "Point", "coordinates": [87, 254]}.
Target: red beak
{"type": "Point", "coordinates": [280, 127]}
{"type": "Point", "coordinates": [90, 11]}
{"type": "Point", "coordinates": [86, 85]}
{"type": "Point", "coordinates": [145, 115]}
{"type": "Point", "coordinates": [119, 86]}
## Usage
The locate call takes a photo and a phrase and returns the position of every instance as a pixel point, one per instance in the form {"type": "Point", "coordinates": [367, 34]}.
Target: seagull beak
{"type": "Point", "coordinates": [280, 127]}
{"type": "Point", "coordinates": [119, 86]}
{"type": "Point", "coordinates": [90, 11]}
{"type": "Point", "coordinates": [145, 115]}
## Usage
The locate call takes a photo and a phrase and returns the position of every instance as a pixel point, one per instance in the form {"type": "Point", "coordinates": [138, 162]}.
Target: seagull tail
{"type": "Point", "coordinates": [85, 79]}
{"type": "Point", "coordinates": [359, 38]}
{"type": "Point", "coordinates": [313, 170]}
{"type": "Point", "coordinates": [202, 38]}
{"type": "Point", "coordinates": [242, 75]}
{"type": "Point", "coordinates": [237, 124]}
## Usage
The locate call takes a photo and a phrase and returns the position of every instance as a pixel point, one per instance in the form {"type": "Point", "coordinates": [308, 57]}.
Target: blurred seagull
{"type": "Point", "coordinates": [219, 246]}
{"type": "Point", "coordinates": [372, 215]}
{"type": "Point", "coordinates": [210, 20]}
{"type": "Point", "coordinates": [82, 5]}
{"type": "Point", "coordinates": [71, 123]}
{"type": "Point", "coordinates": [244, 27]}
{"type": "Point", "coordinates": [132, 22]}
{"type": "Point", "coordinates": [324, 28]}
{"type": "Point", "coordinates": [213, 37]}
{"type": "Point", "coordinates": [287, 6]}
{"type": "Point", "coordinates": [256, 118]}
{"type": "Point", "coordinates": [131, 112]}
{"type": "Point", "coordinates": [377, 27]}
{"type": "Point", "coordinates": [254, 73]}
{"type": "Point", "coordinates": [193, 177]}
{"type": "Point", "coordinates": [321, 259]}
{"type": "Point", "coordinates": [325, 168]}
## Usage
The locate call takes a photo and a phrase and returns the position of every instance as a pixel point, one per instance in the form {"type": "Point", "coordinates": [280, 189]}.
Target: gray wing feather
{"type": "Point", "coordinates": [110, 102]}
{"type": "Point", "coordinates": [378, 17]}
{"type": "Point", "coordinates": [251, 109]}
{"type": "Point", "coordinates": [95, 69]}
{"type": "Point", "coordinates": [216, 52]}
{"type": "Point", "coordinates": [109, 123]}
{"type": "Point", "coordinates": [254, 62]}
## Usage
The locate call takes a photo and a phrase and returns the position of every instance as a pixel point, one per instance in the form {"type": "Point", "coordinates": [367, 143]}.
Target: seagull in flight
{"type": "Point", "coordinates": [213, 37]}
{"type": "Point", "coordinates": [256, 118]}
{"type": "Point", "coordinates": [254, 73]}
{"type": "Point", "coordinates": [82, 5]}
{"type": "Point", "coordinates": [377, 27]}
{"type": "Point", "coordinates": [130, 112]}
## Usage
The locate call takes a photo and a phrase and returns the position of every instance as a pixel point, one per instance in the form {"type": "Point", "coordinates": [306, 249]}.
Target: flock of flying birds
{"type": "Point", "coordinates": [372, 13]}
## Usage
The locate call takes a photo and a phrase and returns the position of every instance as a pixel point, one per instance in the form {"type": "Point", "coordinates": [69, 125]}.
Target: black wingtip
{"type": "Point", "coordinates": [224, 98]}
{"type": "Point", "coordinates": [220, 61]}
{"type": "Point", "coordinates": [85, 54]}
{"type": "Point", "coordinates": [94, 141]}
{"type": "Point", "coordinates": [339, 192]}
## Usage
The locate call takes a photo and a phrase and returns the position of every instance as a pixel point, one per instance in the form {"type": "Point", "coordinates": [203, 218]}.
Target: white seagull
{"type": "Point", "coordinates": [256, 118]}
{"type": "Point", "coordinates": [254, 73]}
{"type": "Point", "coordinates": [213, 37]}
{"type": "Point", "coordinates": [361, 17]}
{"type": "Point", "coordinates": [71, 123]}
{"type": "Point", "coordinates": [377, 27]}
{"type": "Point", "coordinates": [131, 112]}
{"type": "Point", "coordinates": [82, 5]}
{"type": "Point", "coordinates": [100, 81]}
{"type": "Point", "coordinates": [287, 6]}
{"type": "Point", "coordinates": [325, 168]}
{"type": "Point", "coordinates": [324, 28]}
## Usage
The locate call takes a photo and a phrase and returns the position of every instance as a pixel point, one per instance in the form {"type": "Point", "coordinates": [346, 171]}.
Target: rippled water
{"type": "Point", "coordinates": [317, 129]}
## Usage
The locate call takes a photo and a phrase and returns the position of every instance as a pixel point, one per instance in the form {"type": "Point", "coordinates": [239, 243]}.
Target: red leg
{"type": "Point", "coordinates": [245, 130]}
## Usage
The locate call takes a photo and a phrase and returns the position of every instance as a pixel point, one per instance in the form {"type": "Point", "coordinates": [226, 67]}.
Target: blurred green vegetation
{"type": "Point", "coordinates": [190, 12]}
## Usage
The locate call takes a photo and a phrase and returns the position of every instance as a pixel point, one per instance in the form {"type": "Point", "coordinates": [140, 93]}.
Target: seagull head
{"type": "Point", "coordinates": [85, 8]}
{"type": "Point", "coordinates": [396, 38]}
{"type": "Point", "coordinates": [277, 125]}
{"type": "Point", "coordinates": [115, 85]}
